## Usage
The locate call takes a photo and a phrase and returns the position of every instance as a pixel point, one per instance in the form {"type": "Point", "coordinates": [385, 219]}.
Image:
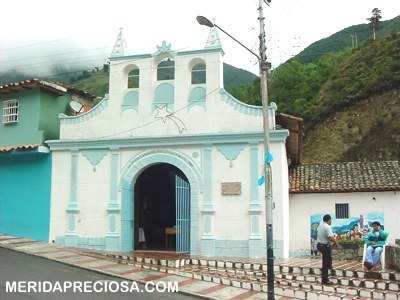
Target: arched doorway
{"type": "Point", "coordinates": [158, 207]}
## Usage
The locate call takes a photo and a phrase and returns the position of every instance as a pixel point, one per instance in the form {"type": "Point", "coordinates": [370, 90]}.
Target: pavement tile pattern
{"type": "Point", "coordinates": [228, 277]}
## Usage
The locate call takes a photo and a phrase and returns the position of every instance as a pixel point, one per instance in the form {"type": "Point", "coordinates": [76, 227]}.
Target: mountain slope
{"type": "Point", "coordinates": [343, 39]}
{"type": "Point", "coordinates": [365, 131]}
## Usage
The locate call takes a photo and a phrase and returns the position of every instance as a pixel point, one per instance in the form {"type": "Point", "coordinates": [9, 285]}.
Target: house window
{"type": "Point", "coordinates": [166, 69]}
{"type": "Point", "coordinates": [342, 210]}
{"type": "Point", "coordinates": [133, 79]}
{"type": "Point", "coordinates": [10, 111]}
{"type": "Point", "coordinates": [199, 74]}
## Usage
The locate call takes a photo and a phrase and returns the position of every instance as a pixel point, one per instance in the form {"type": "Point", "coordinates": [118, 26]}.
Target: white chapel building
{"type": "Point", "coordinates": [168, 160]}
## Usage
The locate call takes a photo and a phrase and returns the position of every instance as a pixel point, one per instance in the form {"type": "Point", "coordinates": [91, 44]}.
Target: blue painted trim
{"type": "Point", "coordinates": [107, 243]}
{"type": "Point", "coordinates": [71, 224]}
{"type": "Point", "coordinates": [71, 240]}
{"type": "Point", "coordinates": [129, 57]}
{"type": "Point", "coordinates": [200, 51]}
{"type": "Point", "coordinates": [256, 247]}
{"type": "Point", "coordinates": [164, 48]}
{"type": "Point", "coordinates": [208, 246]}
{"type": "Point", "coordinates": [197, 97]}
{"type": "Point", "coordinates": [246, 108]}
{"type": "Point", "coordinates": [231, 248]}
{"type": "Point", "coordinates": [113, 205]}
{"type": "Point", "coordinates": [94, 156]}
{"type": "Point", "coordinates": [231, 151]}
{"type": "Point", "coordinates": [255, 206]}
{"type": "Point", "coordinates": [208, 206]}
{"type": "Point", "coordinates": [127, 200]}
{"type": "Point", "coordinates": [240, 106]}
{"type": "Point", "coordinates": [143, 56]}
{"type": "Point", "coordinates": [132, 171]}
{"type": "Point", "coordinates": [131, 101]}
{"type": "Point", "coordinates": [166, 141]}
{"type": "Point", "coordinates": [164, 95]}
{"type": "Point", "coordinates": [73, 205]}
{"type": "Point", "coordinates": [64, 119]}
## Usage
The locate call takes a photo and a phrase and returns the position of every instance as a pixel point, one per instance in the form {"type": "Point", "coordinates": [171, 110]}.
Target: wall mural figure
{"type": "Point", "coordinates": [352, 229]}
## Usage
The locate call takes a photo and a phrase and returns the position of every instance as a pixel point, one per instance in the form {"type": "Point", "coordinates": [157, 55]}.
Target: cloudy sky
{"type": "Point", "coordinates": [36, 34]}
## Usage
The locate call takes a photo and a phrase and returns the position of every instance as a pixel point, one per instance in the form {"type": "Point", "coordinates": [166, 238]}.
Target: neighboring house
{"type": "Point", "coordinates": [30, 112]}
{"type": "Point", "coordinates": [354, 193]}
{"type": "Point", "coordinates": [168, 160]}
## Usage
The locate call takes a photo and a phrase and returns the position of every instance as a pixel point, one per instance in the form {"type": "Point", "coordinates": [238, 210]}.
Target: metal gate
{"type": "Point", "coordinates": [182, 195]}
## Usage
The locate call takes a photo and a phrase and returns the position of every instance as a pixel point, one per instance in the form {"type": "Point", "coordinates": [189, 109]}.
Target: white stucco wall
{"type": "Point", "coordinates": [128, 134]}
{"type": "Point", "coordinates": [302, 206]}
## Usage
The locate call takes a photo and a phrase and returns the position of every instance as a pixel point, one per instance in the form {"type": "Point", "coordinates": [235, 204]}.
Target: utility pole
{"type": "Point", "coordinates": [355, 34]}
{"type": "Point", "coordinates": [354, 41]}
{"type": "Point", "coordinates": [264, 67]}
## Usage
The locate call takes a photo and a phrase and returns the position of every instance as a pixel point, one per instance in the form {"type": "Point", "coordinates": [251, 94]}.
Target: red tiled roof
{"type": "Point", "coordinates": [21, 147]}
{"type": "Point", "coordinates": [53, 86]}
{"type": "Point", "coordinates": [345, 177]}
{"type": "Point", "coordinates": [34, 81]}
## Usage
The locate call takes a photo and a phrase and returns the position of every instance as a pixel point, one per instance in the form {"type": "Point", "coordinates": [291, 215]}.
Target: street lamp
{"type": "Point", "coordinates": [264, 67]}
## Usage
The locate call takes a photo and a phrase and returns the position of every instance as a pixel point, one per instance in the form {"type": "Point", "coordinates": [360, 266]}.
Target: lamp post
{"type": "Point", "coordinates": [264, 67]}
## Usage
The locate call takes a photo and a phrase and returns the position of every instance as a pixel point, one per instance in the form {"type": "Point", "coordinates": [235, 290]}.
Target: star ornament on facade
{"type": "Point", "coordinates": [164, 115]}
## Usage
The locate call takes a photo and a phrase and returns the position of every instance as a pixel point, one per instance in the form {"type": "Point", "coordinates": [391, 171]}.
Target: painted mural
{"type": "Point", "coordinates": [355, 228]}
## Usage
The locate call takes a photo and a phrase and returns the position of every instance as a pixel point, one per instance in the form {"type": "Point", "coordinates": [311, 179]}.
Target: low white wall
{"type": "Point", "coordinates": [302, 206]}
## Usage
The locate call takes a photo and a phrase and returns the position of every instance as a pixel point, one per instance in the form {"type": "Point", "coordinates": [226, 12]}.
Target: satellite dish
{"type": "Point", "coordinates": [76, 106]}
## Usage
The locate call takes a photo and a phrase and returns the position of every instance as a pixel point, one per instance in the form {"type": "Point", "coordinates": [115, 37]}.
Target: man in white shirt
{"type": "Point", "coordinates": [324, 245]}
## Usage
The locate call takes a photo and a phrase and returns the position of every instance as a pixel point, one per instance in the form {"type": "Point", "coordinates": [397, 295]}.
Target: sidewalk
{"type": "Point", "coordinates": [226, 277]}
{"type": "Point", "coordinates": [142, 272]}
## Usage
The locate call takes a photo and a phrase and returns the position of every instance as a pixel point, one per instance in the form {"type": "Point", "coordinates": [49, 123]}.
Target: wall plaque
{"type": "Point", "coordinates": [231, 188]}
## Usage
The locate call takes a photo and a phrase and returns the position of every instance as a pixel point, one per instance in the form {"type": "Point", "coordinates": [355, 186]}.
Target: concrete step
{"type": "Point", "coordinates": [260, 269]}
{"type": "Point", "coordinates": [290, 281]}
{"type": "Point", "coordinates": [302, 284]}
{"type": "Point", "coordinates": [301, 280]}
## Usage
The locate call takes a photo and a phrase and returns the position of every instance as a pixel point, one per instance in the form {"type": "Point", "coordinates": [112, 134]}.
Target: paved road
{"type": "Point", "coordinates": [20, 271]}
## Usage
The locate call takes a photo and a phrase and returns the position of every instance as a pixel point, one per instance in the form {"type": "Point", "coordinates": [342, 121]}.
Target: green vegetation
{"type": "Point", "coordinates": [346, 89]}
{"type": "Point", "coordinates": [356, 241]}
{"type": "Point", "coordinates": [350, 37]}
{"type": "Point", "coordinates": [349, 99]}
{"type": "Point", "coordinates": [95, 84]}
{"type": "Point", "coordinates": [370, 70]}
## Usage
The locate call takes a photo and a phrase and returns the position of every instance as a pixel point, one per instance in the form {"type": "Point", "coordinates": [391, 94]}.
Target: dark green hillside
{"type": "Point", "coordinates": [370, 70]}
{"type": "Point", "coordinates": [357, 112]}
{"type": "Point", "coordinates": [233, 75]}
{"type": "Point", "coordinates": [342, 40]}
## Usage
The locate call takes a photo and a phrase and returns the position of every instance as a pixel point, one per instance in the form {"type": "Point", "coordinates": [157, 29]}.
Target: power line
{"type": "Point", "coordinates": [154, 121]}
{"type": "Point", "coordinates": [37, 44]}
{"type": "Point", "coordinates": [53, 55]}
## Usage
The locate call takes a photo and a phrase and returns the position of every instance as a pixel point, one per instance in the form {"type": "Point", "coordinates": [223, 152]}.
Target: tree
{"type": "Point", "coordinates": [374, 21]}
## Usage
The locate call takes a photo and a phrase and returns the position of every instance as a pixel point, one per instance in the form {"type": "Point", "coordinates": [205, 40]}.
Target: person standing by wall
{"type": "Point", "coordinates": [375, 240]}
{"type": "Point", "coordinates": [324, 245]}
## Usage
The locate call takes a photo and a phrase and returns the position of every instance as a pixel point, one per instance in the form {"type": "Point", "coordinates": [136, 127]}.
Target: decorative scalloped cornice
{"type": "Point", "coordinates": [240, 106]}
{"type": "Point", "coordinates": [64, 119]}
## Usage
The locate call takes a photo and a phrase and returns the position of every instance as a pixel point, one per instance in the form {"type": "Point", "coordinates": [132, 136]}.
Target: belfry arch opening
{"type": "Point", "coordinates": [156, 196]}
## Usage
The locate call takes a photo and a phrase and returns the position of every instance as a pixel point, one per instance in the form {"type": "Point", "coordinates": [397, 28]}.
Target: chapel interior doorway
{"type": "Point", "coordinates": [155, 208]}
